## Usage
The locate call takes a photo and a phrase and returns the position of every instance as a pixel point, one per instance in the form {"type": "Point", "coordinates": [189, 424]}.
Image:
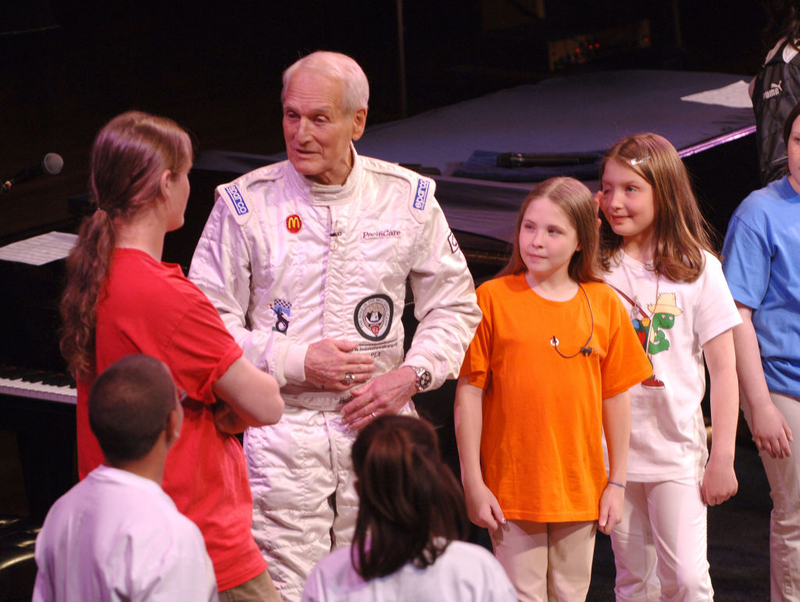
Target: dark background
{"type": "Point", "coordinates": [66, 67]}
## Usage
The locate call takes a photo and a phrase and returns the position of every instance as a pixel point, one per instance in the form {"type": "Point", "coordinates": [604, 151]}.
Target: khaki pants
{"type": "Point", "coordinates": [547, 561]}
{"type": "Point", "coordinates": [257, 589]}
{"type": "Point", "coordinates": [784, 525]}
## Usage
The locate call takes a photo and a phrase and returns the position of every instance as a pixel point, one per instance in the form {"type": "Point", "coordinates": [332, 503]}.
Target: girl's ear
{"type": "Point", "coordinates": [165, 183]}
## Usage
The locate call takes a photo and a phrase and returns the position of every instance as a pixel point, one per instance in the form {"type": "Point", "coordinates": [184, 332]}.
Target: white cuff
{"type": "Point", "coordinates": [294, 367]}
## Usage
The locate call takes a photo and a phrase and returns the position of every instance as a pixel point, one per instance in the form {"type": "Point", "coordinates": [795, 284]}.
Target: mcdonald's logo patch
{"type": "Point", "coordinates": [293, 224]}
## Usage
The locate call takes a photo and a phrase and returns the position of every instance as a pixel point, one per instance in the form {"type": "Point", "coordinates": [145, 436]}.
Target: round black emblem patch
{"type": "Point", "coordinates": [373, 317]}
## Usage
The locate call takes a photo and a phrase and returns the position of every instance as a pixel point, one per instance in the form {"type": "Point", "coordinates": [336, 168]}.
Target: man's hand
{"type": "Point", "coordinates": [329, 361]}
{"type": "Point", "coordinates": [384, 394]}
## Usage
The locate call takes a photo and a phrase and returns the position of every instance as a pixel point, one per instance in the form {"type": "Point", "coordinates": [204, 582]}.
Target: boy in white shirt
{"type": "Point", "coordinates": [116, 535]}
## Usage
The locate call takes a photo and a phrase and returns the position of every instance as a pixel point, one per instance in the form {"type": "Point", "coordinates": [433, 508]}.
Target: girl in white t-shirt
{"type": "Point", "coordinates": [411, 518]}
{"type": "Point", "coordinates": [657, 255]}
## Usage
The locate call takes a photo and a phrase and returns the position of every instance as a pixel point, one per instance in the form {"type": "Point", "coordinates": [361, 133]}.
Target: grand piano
{"type": "Point", "coordinates": [37, 397]}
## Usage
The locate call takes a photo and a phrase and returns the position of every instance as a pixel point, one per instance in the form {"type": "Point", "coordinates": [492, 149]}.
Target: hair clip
{"type": "Point", "coordinates": [638, 160]}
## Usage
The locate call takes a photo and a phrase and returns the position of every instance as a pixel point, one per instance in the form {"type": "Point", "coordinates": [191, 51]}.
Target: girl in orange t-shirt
{"type": "Point", "coordinates": [548, 371]}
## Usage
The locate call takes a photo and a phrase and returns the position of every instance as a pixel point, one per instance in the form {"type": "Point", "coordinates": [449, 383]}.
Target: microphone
{"type": "Point", "coordinates": [52, 164]}
{"type": "Point", "coordinates": [546, 159]}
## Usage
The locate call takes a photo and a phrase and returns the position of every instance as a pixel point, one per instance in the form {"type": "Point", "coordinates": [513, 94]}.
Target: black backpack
{"type": "Point", "coordinates": [776, 92]}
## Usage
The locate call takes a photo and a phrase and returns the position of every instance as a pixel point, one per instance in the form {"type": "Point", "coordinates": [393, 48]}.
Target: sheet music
{"type": "Point", "coordinates": [39, 250]}
{"type": "Point", "coordinates": [736, 96]}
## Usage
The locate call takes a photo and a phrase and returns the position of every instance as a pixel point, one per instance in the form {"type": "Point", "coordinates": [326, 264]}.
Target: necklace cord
{"type": "Point", "coordinates": [585, 350]}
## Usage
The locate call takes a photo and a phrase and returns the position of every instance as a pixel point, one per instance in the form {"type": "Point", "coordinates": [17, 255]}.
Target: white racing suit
{"type": "Point", "coordinates": [288, 262]}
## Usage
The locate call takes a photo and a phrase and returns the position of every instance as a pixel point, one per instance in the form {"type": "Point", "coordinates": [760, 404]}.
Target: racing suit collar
{"type": "Point", "coordinates": [321, 194]}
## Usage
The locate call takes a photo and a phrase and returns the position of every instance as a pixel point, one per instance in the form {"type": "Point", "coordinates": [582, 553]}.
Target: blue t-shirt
{"type": "Point", "coordinates": [761, 261]}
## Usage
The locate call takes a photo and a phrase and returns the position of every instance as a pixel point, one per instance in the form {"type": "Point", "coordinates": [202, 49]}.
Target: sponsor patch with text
{"type": "Point", "coordinates": [381, 234]}
{"type": "Point", "coordinates": [237, 199]}
{"type": "Point", "coordinates": [421, 196]}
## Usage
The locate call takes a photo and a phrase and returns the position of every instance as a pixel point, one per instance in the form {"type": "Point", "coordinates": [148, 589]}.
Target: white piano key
{"type": "Point", "coordinates": [20, 388]}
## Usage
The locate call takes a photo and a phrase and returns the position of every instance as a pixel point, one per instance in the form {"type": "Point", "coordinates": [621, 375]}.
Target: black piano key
{"type": "Point", "coordinates": [32, 375]}
{"type": "Point", "coordinates": [59, 380]}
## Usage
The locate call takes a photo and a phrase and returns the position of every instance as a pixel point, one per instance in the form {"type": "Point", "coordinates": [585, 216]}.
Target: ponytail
{"type": "Point", "coordinates": [128, 157]}
{"type": "Point", "coordinates": [87, 267]}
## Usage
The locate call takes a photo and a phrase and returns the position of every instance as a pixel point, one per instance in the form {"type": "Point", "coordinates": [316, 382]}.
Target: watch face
{"type": "Point", "coordinates": [423, 378]}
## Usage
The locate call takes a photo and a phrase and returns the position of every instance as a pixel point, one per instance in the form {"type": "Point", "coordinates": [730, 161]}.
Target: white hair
{"type": "Point", "coordinates": [355, 87]}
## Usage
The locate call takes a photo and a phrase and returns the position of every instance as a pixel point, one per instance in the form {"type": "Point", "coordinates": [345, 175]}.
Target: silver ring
{"type": "Point", "coordinates": [373, 414]}
{"type": "Point", "coordinates": [349, 378]}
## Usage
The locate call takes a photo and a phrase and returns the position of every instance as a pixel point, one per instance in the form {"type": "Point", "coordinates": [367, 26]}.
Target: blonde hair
{"type": "Point", "coordinates": [128, 157]}
{"type": "Point", "coordinates": [680, 230]}
{"type": "Point", "coordinates": [575, 199]}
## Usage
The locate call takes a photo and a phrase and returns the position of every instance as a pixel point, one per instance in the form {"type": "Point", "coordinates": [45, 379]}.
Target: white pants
{"type": "Point", "coordinates": [784, 484]}
{"type": "Point", "coordinates": [304, 498]}
{"type": "Point", "coordinates": [660, 546]}
{"type": "Point", "coordinates": [547, 561]}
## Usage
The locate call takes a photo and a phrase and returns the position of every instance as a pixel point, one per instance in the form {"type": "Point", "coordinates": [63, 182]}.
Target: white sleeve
{"type": "Point", "coordinates": [444, 301]}
{"type": "Point", "coordinates": [312, 588]}
{"type": "Point", "coordinates": [221, 269]}
{"type": "Point", "coordinates": [716, 312]}
{"type": "Point", "coordinates": [185, 573]}
{"type": "Point", "coordinates": [42, 590]}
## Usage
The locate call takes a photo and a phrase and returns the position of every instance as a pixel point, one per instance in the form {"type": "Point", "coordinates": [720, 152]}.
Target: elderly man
{"type": "Point", "coordinates": [307, 262]}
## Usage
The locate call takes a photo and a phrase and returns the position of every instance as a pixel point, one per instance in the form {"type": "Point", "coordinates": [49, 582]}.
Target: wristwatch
{"type": "Point", "coordinates": [423, 378]}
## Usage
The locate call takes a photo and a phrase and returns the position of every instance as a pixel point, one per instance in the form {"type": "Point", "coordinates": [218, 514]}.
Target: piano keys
{"type": "Point", "coordinates": [37, 398]}
{"type": "Point", "coordinates": [42, 385]}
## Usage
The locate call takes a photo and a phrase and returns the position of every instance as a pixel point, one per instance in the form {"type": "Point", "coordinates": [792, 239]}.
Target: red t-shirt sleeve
{"type": "Point", "coordinates": [202, 349]}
